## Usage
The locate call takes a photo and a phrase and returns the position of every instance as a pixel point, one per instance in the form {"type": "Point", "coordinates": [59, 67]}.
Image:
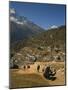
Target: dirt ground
{"type": "Point", "coordinates": [31, 78]}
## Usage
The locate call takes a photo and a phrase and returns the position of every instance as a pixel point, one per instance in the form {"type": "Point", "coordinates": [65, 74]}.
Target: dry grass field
{"type": "Point", "coordinates": [29, 78]}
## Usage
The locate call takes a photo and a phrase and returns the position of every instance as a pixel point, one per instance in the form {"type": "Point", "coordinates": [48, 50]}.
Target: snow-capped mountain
{"type": "Point", "coordinates": [21, 27]}
{"type": "Point", "coordinates": [17, 19]}
{"type": "Point", "coordinates": [53, 27]}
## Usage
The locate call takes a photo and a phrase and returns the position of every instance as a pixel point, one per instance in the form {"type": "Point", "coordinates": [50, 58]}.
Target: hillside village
{"type": "Point", "coordinates": [41, 54]}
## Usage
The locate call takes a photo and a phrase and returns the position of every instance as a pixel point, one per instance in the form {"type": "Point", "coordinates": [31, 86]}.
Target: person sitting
{"type": "Point", "coordinates": [49, 73]}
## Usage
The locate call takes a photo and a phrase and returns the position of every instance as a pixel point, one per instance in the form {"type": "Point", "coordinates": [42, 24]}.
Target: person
{"type": "Point", "coordinates": [24, 67]}
{"type": "Point", "coordinates": [48, 73]}
{"type": "Point", "coordinates": [38, 68]}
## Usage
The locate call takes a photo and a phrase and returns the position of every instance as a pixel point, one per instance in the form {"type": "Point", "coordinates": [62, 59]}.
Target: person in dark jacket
{"type": "Point", "coordinates": [48, 73]}
{"type": "Point", "coordinates": [38, 68]}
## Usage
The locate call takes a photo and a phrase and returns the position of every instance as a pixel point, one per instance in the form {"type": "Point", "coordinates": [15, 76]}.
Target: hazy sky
{"type": "Point", "coordinates": [44, 15]}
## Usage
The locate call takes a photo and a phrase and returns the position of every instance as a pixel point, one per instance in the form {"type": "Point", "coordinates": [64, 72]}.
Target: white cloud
{"type": "Point", "coordinates": [13, 19]}
{"type": "Point", "coordinates": [12, 11]}
{"type": "Point", "coordinates": [19, 22]}
{"type": "Point", "coordinates": [53, 26]}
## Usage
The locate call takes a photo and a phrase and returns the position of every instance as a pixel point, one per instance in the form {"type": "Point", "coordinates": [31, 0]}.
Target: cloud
{"type": "Point", "coordinates": [12, 11]}
{"type": "Point", "coordinates": [19, 22]}
{"type": "Point", "coordinates": [53, 26]}
{"type": "Point", "coordinates": [13, 19]}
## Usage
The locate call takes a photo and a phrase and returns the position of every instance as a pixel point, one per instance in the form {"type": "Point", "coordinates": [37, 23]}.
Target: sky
{"type": "Point", "coordinates": [44, 15]}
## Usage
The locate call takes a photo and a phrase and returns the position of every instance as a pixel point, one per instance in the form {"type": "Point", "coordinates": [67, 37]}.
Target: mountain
{"type": "Point", "coordinates": [55, 36]}
{"type": "Point", "coordinates": [43, 47]}
{"type": "Point", "coordinates": [21, 28]}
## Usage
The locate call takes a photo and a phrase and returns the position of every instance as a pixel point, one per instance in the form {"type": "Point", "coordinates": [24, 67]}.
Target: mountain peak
{"type": "Point", "coordinates": [53, 26]}
{"type": "Point", "coordinates": [21, 27]}
{"type": "Point", "coordinates": [16, 18]}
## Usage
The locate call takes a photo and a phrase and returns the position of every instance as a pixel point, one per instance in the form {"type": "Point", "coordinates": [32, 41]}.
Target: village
{"type": "Point", "coordinates": [30, 55]}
